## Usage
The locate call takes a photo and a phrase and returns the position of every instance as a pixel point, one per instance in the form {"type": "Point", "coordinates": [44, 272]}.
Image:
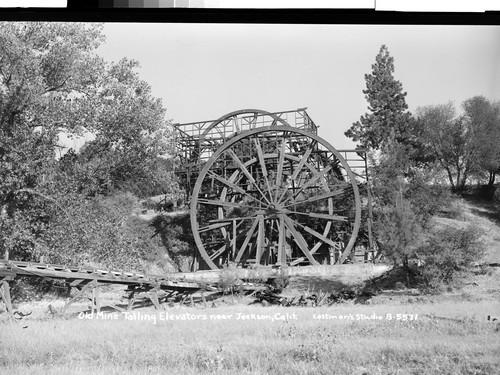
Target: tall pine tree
{"type": "Point", "coordinates": [388, 118]}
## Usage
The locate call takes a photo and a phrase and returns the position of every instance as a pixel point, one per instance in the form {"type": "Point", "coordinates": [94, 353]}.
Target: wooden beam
{"type": "Point", "coordinates": [78, 296]}
{"type": "Point", "coordinates": [5, 294]}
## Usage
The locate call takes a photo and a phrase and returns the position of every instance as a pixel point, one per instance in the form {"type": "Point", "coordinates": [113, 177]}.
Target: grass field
{"type": "Point", "coordinates": [218, 341]}
{"type": "Point", "coordinates": [441, 334]}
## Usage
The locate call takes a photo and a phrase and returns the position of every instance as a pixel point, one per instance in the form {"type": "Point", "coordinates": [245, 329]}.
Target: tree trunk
{"type": "Point", "coordinates": [3, 214]}
{"type": "Point", "coordinates": [406, 269]}
{"type": "Point", "coordinates": [491, 182]}
{"type": "Point", "coordinates": [450, 177]}
{"type": "Point", "coordinates": [457, 185]}
{"type": "Point", "coordinates": [462, 182]}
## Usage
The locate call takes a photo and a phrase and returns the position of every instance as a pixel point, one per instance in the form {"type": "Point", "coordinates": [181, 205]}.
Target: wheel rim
{"type": "Point", "coordinates": [275, 196]}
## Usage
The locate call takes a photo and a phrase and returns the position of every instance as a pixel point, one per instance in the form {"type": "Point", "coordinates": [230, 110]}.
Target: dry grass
{"type": "Point", "coordinates": [306, 345]}
{"type": "Point", "coordinates": [461, 343]}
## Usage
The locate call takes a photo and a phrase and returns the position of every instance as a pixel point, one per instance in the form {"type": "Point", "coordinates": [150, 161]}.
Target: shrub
{"type": "Point", "coordinates": [177, 239]}
{"type": "Point", "coordinates": [496, 196]}
{"type": "Point", "coordinates": [229, 279]}
{"type": "Point", "coordinates": [101, 232]}
{"type": "Point", "coordinates": [448, 252]}
{"type": "Point", "coordinates": [427, 199]}
{"type": "Point", "coordinates": [397, 228]}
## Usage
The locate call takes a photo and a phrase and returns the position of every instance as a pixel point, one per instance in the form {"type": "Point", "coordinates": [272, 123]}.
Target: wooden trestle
{"type": "Point", "coordinates": [90, 280]}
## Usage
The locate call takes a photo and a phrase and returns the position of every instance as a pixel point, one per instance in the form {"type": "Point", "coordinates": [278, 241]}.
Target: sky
{"type": "Point", "coordinates": [203, 71]}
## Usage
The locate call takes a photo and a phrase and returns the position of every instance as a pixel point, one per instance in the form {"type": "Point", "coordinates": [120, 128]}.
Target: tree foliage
{"type": "Point", "coordinates": [483, 119]}
{"type": "Point", "coordinates": [408, 156]}
{"type": "Point", "coordinates": [41, 65]}
{"type": "Point", "coordinates": [447, 252]}
{"type": "Point", "coordinates": [388, 117]}
{"type": "Point", "coordinates": [464, 145]}
{"type": "Point", "coordinates": [100, 231]}
{"type": "Point", "coordinates": [52, 82]}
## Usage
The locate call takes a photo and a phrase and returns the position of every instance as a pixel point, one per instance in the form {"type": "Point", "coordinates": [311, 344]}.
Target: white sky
{"type": "Point", "coordinates": [203, 71]}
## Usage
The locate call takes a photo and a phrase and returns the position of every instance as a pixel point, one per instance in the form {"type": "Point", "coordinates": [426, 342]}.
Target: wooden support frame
{"type": "Point", "coordinates": [83, 287]}
{"type": "Point", "coordinates": [5, 295]}
{"type": "Point", "coordinates": [151, 293]}
{"type": "Point", "coordinates": [89, 281]}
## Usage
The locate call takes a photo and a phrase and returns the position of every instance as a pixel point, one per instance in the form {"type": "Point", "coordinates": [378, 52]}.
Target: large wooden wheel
{"type": "Point", "coordinates": [275, 195]}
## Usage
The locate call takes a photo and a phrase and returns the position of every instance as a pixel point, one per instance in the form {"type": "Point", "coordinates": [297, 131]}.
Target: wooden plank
{"type": "Point", "coordinates": [153, 296]}
{"type": "Point", "coordinates": [281, 240]}
{"type": "Point", "coordinates": [5, 294]}
{"type": "Point", "coordinates": [299, 239]}
{"type": "Point", "coordinates": [234, 237]}
{"type": "Point", "coordinates": [260, 238]}
{"type": "Point", "coordinates": [96, 301]}
{"type": "Point", "coordinates": [131, 301]}
{"type": "Point", "coordinates": [77, 297]}
{"type": "Point", "coordinates": [203, 299]}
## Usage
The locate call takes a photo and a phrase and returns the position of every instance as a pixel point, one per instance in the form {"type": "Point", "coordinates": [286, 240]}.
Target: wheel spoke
{"type": "Point", "coordinates": [224, 203]}
{"type": "Point", "coordinates": [299, 167]}
{"type": "Point", "coordinates": [328, 217]}
{"type": "Point", "coordinates": [281, 240]}
{"type": "Point", "coordinates": [311, 181]}
{"type": "Point", "coordinates": [281, 162]}
{"type": "Point", "coordinates": [299, 239]}
{"type": "Point", "coordinates": [260, 238]}
{"type": "Point", "coordinates": [229, 219]}
{"type": "Point", "coordinates": [263, 165]}
{"type": "Point", "coordinates": [214, 226]}
{"type": "Point", "coordinates": [246, 172]}
{"type": "Point", "coordinates": [232, 242]}
{"type": "Point", "coordinates": [319, 216]}
{"type": "Point", "coordinates": [315, 234]}
{"type": "Point", "coordinates": [234, 187]}
{"type": "Point", "coordinates": [218, 252]}
{"type": "Point", "coordinates": [247, 240]}
{"type": "Point", "coordinates": [317, 198]}
{"type": "Point", "coordinates": [344, 255]}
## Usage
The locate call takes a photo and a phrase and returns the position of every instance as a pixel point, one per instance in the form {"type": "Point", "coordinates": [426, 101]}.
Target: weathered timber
{"type": "Point", "coordinates": [344, 273]}
{"type": "Point", "coordinates": [5, 295]}
{"type": "Point", "coordinates": [90, 280]}
{"type": "Point", "coordinates": [74, 274]}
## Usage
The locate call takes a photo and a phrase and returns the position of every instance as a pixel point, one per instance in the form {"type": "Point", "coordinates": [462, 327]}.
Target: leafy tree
{"type": "Point", "coordinates": [396, 225]}
{"type": "Point", "coordinates": [129, 128]}
{"type": "Point", "coordinates": [482, 118]}
{"type": "Point", "coordinates": [52, 82]}
{"type": "Point", "coordinates": [42, 66]}
{"type": "Point", "coordinates": [451, 140]}
{"type": "Point", "coordinates": [388, 117]}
